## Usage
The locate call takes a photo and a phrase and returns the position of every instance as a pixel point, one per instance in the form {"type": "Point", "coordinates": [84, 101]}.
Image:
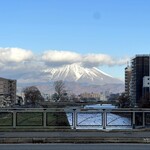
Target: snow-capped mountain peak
{"type": "Point", "coordinates": [77, 73]}
{"type": "Point", "coordinates": [102, 72]}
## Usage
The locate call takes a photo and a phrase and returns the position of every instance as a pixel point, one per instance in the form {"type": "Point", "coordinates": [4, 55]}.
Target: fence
{"type": "Point", "coordinates": [74, 118]}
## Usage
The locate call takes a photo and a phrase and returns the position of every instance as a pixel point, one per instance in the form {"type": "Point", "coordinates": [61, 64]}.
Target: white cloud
{"type": "Point", "coordinates": [97, 60]}
{"type": "Point", "coordinates": [123, 61]}
{"type": "Point", "coordinates": [58, 58]}
{"type": "Point", "coordinates": [55, 58]}
{"type": "Point", "coordinates": [14, 62]}
{"type": "Point", "coordinates": [103, 59]}
{"type": "Point", "coordinates": [19, 64]}
{"type": "Point", "coordinates": [14, 55]}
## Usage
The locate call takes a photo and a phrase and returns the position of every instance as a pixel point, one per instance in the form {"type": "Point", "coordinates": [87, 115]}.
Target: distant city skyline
{"type": "Point", "coordinates": [36, 34]}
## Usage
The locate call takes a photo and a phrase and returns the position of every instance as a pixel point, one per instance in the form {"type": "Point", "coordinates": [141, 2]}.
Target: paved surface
{"type": "Point", "coordinates": [75, 147]}
{"type": "Point", "coordinates": [97, 134]}
{"type": "Point", "coordinates": [76, 137]}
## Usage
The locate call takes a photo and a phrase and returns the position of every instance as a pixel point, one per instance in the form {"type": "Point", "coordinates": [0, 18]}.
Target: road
{"type": "Point", "coordinates": [74, 146]}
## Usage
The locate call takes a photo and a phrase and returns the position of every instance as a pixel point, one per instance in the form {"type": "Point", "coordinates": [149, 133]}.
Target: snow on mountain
{"type": "Point", "coordinates": [79, 74]}
{"type": "Point", "coordinates": [77, 80]}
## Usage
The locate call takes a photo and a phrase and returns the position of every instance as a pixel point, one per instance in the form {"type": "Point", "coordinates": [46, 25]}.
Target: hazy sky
{"type": "Point", "coordinates": [101, 33]}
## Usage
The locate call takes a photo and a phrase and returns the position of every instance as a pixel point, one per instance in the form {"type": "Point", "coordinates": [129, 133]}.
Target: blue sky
{"type": "Point", "coordinates": [118, 28]}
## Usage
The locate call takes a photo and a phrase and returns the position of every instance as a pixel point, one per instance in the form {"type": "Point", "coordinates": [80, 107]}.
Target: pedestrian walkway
{"type": "Point", "coordinates": [130, 136]}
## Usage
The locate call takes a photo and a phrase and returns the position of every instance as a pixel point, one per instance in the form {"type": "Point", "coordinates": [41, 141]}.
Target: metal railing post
{"type": "Point", "coordinates": [44, 119]}
{"type": "Point", "coordinates": [143, 119]}
{"type": "Point", "coordinates": [133, 120]}
{"type": "Point", "coordinates": [104, 119]}
{"type": "Point", "coordinates": [74, 119]}
{"type": "Point", "coordinates": [14, 119]}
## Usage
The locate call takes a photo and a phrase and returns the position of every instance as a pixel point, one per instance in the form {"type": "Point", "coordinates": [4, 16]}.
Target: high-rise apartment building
{"type": "Point", "coordinates": [140, 71]}
{"type": "Point", "coordinates": [7, 91]}
{"type": "Point", "coordinates": [127, 80]}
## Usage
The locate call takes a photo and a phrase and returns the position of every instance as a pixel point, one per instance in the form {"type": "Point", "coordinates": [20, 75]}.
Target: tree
{"type": "Point", "coordinates": [55, 97]}
{"type": "Point", "coordinates": [5, 100]}
{"type": "Point", "coordinates": [32, 95]}
{"type": "Point", "coordinates": [59, 89]}
{"type": "Point", "coordinates": [124, 101]}
{"type": "Point", "coordinates": [74, 98]}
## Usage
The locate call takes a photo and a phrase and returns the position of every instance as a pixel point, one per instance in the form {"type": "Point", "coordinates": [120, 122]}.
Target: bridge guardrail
{"type": "Point", "coordinates": [74, 118]}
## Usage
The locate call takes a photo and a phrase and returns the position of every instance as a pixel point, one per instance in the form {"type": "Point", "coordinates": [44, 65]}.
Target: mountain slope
{"type": "Point", "coordinates": [76, 73]}
{"type": "Point", "coordinates": [77, 80]}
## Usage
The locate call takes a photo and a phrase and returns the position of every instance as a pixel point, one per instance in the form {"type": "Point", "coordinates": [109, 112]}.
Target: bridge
{"type": "Point", "coordinates": [74, 118]}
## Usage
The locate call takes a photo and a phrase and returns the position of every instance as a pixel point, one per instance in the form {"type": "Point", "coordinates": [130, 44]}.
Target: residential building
{"type": "Point", "coordinates": [7, 92]}
{"type": "Point", "coordinates": [90, 96]}
{"type": "Point", "coordinates": [140, 72]}
{"type": "Point", "coordinates": [103, 96]}
{"type": "Point", "coordinates": [146, 89]}
{"type": "Point", "coordinates": [127, 80]}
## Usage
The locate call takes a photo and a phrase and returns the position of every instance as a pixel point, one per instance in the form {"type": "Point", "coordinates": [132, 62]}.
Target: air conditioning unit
{"type": "Point", "coordinates": [146, 81]}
